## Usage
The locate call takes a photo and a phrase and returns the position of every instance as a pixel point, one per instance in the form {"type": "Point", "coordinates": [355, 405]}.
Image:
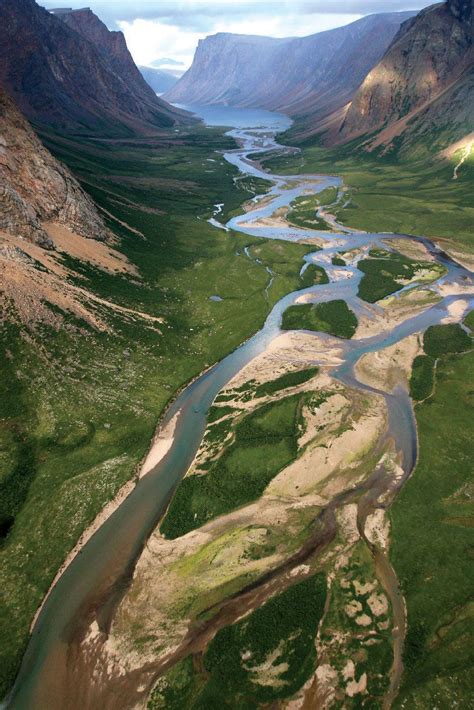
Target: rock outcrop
{"type": "Point", "coordinates": [35, 188]}
{"type": "Point", "coordinates": [71, 73]}
{"type": "Point", "coordinates": [424, 84]}
{"type": "Point", "coordinates": [114, 50]}
{"type": "Point", "coordinates": [307, 77]}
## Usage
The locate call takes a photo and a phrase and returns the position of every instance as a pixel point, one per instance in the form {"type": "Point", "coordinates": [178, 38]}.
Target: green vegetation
{"type": "Point", "coordinates": [469, 320]}
{"type": "Point", "coordinates": [422, 377]}
{"type": "Point", "coordinates": [302, 213]}
{"type": "Point", "coordinates": [314, 275]}
{"type": "Point", "coordinates": [327, 196]}
{"type": "Point", "coordinates": [438, 340]}
{"type": "Point", "coordinates": [250, 389]}
{"type": "Point", "coordinates": [79, 406]}
{"type": "Point", "coordinates": [289, 379]}
{"type": "Point", "coordinates": [338, 261]}
{"type": "Point", "coordinates": [334, 317]}
{"type": "Point", "coordinates": [216, 413]}
{"type": "Point", "coordinates": [441, 340]}
{"type": "Point", "coordinates": [265, 442]}
{"type": "Point", "coordinates": [413, 196]}
{"type": "Point", "coordinates": [275, 254]}
{"type": "Point", "coordinates": [354, 587]}
{"type": "Point", "coordinates": [281, 634]}
{"type": "Point", "coordinates": [254, 185]}
{"type": "Point", "coordinates": [386, 275]}
{"type": "Point", "coordinates": [432, 522]}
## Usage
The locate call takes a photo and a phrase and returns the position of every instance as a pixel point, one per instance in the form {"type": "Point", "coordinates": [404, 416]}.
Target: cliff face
{"type": "Point", "coordinates": [80, 79]}
{"type": "Point", "coordinates": [423, 82]}
{"type": "Point", "coordinates": [35, 188]}
{"type": "Point", "coordinates": [309, 75]}
{"type": "Point", "coordinates": [113, 48]}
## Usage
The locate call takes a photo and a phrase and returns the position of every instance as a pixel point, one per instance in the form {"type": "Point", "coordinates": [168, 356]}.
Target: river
{"type": "Point", "coordinates": [96, 578]}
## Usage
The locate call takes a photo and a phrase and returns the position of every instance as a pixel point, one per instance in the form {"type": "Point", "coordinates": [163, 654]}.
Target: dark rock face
{"type": "Point", "coordinates": [461, 9]}
{"type": "Point", "coordinates": [310, 76]}
{"type": "Point", "coordinates": [426, 76]}
{"type": "Point", "coordinates": [113, 48]}
{"type": "Point", "coordinates": [35, 188]}
{"type": "Point", "coordinates": [80, 78]}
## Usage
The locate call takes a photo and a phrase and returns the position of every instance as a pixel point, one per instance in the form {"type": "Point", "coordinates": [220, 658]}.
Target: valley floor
{"type": "Point", "coordinates": [82, 388]}
{"type": "Point", "coordinates": [384, 194]}
{"type": "Point", "coordinates": [282, 571]}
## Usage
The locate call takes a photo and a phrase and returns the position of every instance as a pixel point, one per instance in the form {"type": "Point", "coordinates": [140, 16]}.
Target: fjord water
{"type": "Point", "coordinates": [95, 579]}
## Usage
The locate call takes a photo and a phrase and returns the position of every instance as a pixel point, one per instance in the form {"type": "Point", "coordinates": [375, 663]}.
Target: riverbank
{"type": "Point", "coordinates": [79, 405]}
{"type": "Point", "coordinates": [248, 526]}
{"type": "Point", "coordinates": [411, 197]}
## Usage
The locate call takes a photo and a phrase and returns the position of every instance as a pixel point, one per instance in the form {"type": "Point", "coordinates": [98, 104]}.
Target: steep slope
{"type": "Point", "coordinates": [59, 77]}
{"type": "Point", "coordinates": [113, 47]}
{"type": "Point", "coordinates": [423, 88]}
{"type": "Point", "coordinates": [45, 218]}
{"type": "Point", "coordinates": [36, 188]}
{"type": "Point", "coordinates": [305, 75]}
{"type": "Point", "coordinates": [160, 81]}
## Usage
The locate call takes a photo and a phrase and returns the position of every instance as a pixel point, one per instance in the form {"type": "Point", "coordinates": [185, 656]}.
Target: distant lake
{"type": "Point", "coordinates": [239, 117]}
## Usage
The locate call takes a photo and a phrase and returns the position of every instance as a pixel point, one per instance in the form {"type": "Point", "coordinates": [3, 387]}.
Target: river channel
{"type": "Point", "coordinates": [101, 571]}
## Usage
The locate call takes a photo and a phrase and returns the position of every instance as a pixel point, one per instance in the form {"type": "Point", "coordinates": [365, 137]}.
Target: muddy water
{"type": "Point", "coordinates": [95, 580]}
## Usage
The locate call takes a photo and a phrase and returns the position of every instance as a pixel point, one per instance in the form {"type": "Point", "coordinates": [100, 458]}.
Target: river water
{"type": "Point", "coordinates": [101, 571]}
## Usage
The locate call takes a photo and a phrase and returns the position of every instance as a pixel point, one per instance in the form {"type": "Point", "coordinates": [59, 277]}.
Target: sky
{"type": "Point", "coordinates": [156, 29]}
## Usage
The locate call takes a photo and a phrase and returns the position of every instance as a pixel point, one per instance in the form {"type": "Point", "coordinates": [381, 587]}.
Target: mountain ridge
{"type": "Point", "coordinates": [296, 75]}
{"type": "Point", "coordinates": [59, 77]}
{"type": "Point", "coordinates": [423, 87]}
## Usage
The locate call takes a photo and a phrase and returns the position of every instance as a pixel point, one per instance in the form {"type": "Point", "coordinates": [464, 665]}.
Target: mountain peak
{"type": "Point", "coordinates": [67, 70]}
{"type": "Point", "coordinates": [423, 79]}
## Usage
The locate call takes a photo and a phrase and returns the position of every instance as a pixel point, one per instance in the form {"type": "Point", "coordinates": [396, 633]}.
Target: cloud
{"type": "Point", "coordinates": [150, 39]}
{"type": "Point", "coordinates": [194, 13]}
{"type": "Point", "coordinates": [172, 28]}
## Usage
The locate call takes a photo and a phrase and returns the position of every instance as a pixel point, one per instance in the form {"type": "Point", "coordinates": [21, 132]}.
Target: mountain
{"type": "Point", "coordinates": [308, 77]}
{"type": "Point", "coordinates": [36, 188]}
{"type": "Point", "coordinates": [423, 87]}
{"type": "Point", "coordinates": [69, 72]}
{"type": "Point", "coordinates": [113, 47]}
{"type": "Point", "coordinates": [159, 80]}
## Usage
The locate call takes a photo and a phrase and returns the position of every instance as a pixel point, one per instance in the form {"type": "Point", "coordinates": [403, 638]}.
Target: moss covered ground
{"type": "Point", "coordinates": [387, 272]}
{"type": "Point", "coordinates": [303, 213]}
{"type": "Point", "coordinates": [432, 538]}
{"type": "Point", "coordinates": [266, 657]}
{"type": "Point", "coordinates": [333, 317]}
{"type": "Point", "coordinates": [265, 441]}
{"type": "Point", "coordinates": [387, 194]}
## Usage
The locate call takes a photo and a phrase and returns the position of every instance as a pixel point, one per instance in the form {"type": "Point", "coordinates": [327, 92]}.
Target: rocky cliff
{"type": "Point", "coordinates": [423, 86]}
{"type": "Point", "coordinates": [71, 73]}
{"type": "Point", "coordinates": [114, 50]}
{"type": "Point", "coordinates": [35, 188]}
{"type": "Point", "coordinates": [304, 76]}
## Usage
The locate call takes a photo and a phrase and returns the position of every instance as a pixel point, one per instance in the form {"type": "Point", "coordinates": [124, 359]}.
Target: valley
{"type": "Point", "coordinates": [236, 355]}
{"type": "Point", "coordinates": [141, 603]}
{"type": "Point", "coordinates": [81, 378]}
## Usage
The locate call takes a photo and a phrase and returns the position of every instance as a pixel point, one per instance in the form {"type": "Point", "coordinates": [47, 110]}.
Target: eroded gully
{"type": "Point", "coordinates": [56, 671]}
